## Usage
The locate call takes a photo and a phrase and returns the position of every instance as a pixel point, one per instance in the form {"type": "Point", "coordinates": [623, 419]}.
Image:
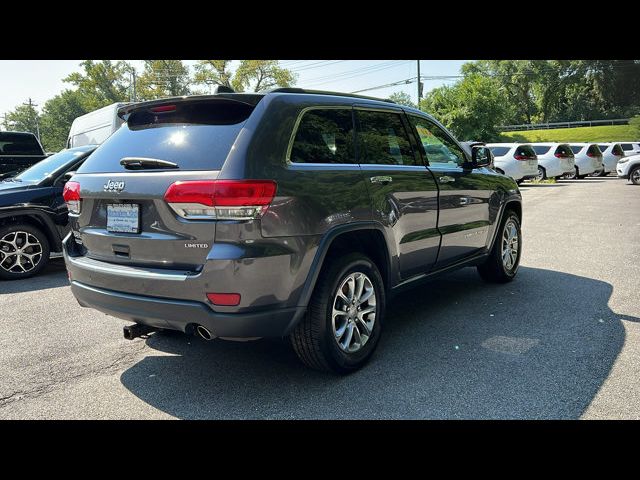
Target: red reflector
{"type": "Point", "coordinates": [228, 299]}
{"type": "Point", "coordinates": [228, 193]}
{"type": "Point", "coordinates": [163, 109]}
{"type": "Point", "coordinates": [71, 191]}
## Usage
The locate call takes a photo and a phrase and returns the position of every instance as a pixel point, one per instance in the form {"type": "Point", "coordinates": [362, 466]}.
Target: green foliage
{"type": "Point", "coordinates": [58, 114]}
{"type": "Point", "coordinates": [101, 83]}
{"type": "Point", "coordinates": [603, 133]}
{"type": "Point", "coordinates": [251, 75]}
{"type": "Point", "coordinates": [163, 78]}
{"type": "Point", "coordinates": [402, 98]}
{"type": "Point", "coordinates": [471, 108]}
{"type": "Point", "coordinates": [23, 119]}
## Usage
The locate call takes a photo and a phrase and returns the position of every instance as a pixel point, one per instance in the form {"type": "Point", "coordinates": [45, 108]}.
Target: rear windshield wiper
{"type": "Point", "coordinates": [140, 163]}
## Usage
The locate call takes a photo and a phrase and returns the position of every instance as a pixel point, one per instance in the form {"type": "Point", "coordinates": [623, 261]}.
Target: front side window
{"type": "Point", "coordinates": [324, 136]}
{"type": "Point", "coordinates": [438, 146]}
{"type": "Point", "coordinates": [383, 139]}
{"type": "Point", "coordinates": [576, 149]}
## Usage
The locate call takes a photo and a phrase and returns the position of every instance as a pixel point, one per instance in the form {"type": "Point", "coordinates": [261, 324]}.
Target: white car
{"type": "Point", "coordinates": [554, 159]}
{"type": "Point", "coordinates": [629, 167]}
{"type": "Point", "coordinates": [611, 154]}
{"type": "Point", "coordinates": [630, 148]}
{"type": "Point", "coordinates": [517, 160]}
{"type": "Point", "coordinates": [588, 159]}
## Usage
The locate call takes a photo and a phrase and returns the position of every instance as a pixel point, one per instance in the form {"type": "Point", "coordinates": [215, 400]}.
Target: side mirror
{"type": "Point", "coordinates": [481, 156]}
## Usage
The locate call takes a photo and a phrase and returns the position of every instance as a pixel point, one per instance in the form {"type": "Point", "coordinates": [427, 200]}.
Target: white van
{"type": "Point", "coordinates": [95, 127]}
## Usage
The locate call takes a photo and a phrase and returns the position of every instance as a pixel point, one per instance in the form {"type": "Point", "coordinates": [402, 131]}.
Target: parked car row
{"type": "Point", "coordinates": [523, 161]}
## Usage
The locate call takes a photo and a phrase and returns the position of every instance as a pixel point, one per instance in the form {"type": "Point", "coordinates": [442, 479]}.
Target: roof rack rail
{"type": "Point", "coordinates": [324, 92]}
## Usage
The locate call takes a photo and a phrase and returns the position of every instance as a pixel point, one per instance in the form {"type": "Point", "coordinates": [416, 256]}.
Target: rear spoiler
{"type": "Point", "coordinates": [250, 99]}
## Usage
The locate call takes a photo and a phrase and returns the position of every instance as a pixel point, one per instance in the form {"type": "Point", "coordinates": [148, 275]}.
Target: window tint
{"type": "Point", "coordinates": [541, 149]}
{"type": "Point", "coordinates": [603, 147]}
{"type": "Point", "coordinates": [19, 144]}
{"type": "Point", "coordinates": [50, 165]}
{"type": "Point", "coordinates": [383, 140]}
{"type": "Point", "coordinates": [594, 150]}
{"type": "Point", "coordinates": [617, 150]}
{"type": "Point", "coordinates": [576, 148]}
{"type": "Point", "coordinates": [499, 151]}
{"type": "Point", "coordinates": [324, 136]}
{"type": "Point", "coordinates": [525, 151]}
{"type": "Point", "coordinates": [438, 147]}
{"type": "Point", "coordinates": [627, 146]}
{"type": "Point", "coordinates": [564, 150]}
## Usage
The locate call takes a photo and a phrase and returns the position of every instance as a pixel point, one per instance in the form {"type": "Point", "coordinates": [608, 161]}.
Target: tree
{"type": "Point", "coordinates": [163, 78]}
{"type": "Point", "coordinates": [251, 75]}
{"type": "Point", "coordinates": [102, 83]}
{"type": "Point", "coordinates": [25, 118]}
{"type": "Point", "coordinates": [472, 108]}
{"type": "Point", "coordinates": [402, 98]}
{"type": "Point", "coordinates": [58, 114]}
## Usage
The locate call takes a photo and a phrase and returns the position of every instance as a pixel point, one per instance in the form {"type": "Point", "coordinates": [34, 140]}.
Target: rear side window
{"type": "Point", "coordinates": [383, 139]}
{"type": "Point", "coordinates": [594, 150]}
{"type": "Point", "coordinates": [564, 150]}
{"type": "Point", "coordinates": [195, 137]}
{"type": "Point", "coordinates": [576, 148]}
{"type": "Point", "coordinates": [603, 147]}
{"type": "Point", "coordinates": [626, 146]}
{"type": "Point", "coordinates": [525, 151]}
{"type": "Point", "coordinates": [617, 150]}
{"type": "Point", "coordinates": [19, 144]}
{"type": "Point", "coordinates": [541, 149]}
{"type": "Point", "coordinates": [324, 136]}
{"type": "Point", "coordinates": [499, 151]}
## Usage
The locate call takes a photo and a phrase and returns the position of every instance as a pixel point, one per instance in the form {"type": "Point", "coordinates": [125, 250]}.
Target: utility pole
{"type": "Point", "coordinates": [133, 82]}
{"type": "Point", "coordinates": [32, 106]}
{"type": "Point", "coordinates": [419, 85]}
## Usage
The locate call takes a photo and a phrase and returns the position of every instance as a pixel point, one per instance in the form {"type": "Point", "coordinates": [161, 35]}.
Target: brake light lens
{"type": "Point", "coordinates": [523, 157]}
{"type": "Point", "coordinates": [226, 299]}
{"type": "Point", "coordinates": [591, 154]}
{"type": "Point", "coordinates": [163, 109]}
{"type": "Point", "coordinates": [221, 199]}
{"type": "Point", "coordinates": [561, 155]}
{"type": "Point", "coordinates": [71, 195]}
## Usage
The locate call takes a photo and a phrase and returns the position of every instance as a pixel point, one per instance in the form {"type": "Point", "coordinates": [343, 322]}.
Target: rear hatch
{"type": "Point", "coordinates": [124, 217]}
{"type": "Point", "coordinates": [567, 159]}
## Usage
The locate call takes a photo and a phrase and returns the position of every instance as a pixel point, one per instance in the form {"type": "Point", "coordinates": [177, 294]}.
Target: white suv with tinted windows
{"type": "Point", "coordinates": [588, 159]}
{"type": "Point", "coordinates": [517, 160]}
{"type": "Point", "coordinates": [611, 155]}
{"type": "Point", "coordinates": [554, 159]}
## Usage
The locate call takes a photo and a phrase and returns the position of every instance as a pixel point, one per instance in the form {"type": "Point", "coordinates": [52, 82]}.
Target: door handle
{"type": "Point", "coordinates": [383, 179]}
{"type": "Point", "coordinates": [446, 179]}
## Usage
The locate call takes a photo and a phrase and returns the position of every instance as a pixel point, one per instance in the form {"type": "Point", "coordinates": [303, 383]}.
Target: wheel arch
{"type": "Point", "coordinates": [35, 219]}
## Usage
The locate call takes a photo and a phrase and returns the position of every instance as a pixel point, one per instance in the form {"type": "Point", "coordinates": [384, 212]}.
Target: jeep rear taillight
{"type": "Point", "coordinates": [71, 195]}
{"type": "Point", "coordinates": [220, 199]}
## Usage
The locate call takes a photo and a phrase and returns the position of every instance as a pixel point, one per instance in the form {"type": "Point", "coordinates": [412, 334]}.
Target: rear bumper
{"type": "Point", "coordinates": [183, 315]}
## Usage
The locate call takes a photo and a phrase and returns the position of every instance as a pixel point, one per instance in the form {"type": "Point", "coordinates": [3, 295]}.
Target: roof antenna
{"type": "Point", "coordinates": [222, 89]}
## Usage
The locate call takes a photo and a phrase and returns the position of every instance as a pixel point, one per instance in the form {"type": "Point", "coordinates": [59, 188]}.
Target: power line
{"type": "Point", "coordinates": [364, 71]}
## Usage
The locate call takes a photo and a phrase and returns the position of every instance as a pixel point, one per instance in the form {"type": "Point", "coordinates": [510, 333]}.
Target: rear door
{"type": "Point", "coordinates": [464, 194]}
{"type": "Point", "coordinates": [403, 192]}
{"type": "Point", "coordinates": [124, 217]}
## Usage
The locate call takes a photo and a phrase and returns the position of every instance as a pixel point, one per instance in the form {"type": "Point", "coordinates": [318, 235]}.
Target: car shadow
{"type": "Point", "coordinates": [454, 347]}
{"type": "Point", "coordinates": [540, 185]}
{"type": "Point", "coordinates": [54, 275]}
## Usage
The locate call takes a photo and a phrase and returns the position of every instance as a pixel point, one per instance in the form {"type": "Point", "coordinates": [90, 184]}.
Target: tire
{"type": "Point", "coordinates": [634, 175]}
{"type": "Point", "coordinates": [314, 339]}
{"type": "Point", "coordinates": [494, 270]}
{"type": "Point", "coordinates": [573, 176]}
{"type": "Point", "coordinates": [542, 173]}
{"type": "Point", "coordinates": [34, 257]}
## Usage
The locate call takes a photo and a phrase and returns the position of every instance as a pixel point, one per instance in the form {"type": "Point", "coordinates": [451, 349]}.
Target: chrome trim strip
{"type": "Point", "coordinates": [124, 271]}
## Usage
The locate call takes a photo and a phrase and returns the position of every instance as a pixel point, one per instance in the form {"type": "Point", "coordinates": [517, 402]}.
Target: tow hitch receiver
{"type": "Point", "coordinates": [137, 330]}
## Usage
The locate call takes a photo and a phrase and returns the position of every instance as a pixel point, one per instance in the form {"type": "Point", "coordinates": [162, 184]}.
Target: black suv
{"type": "Point", "coordinates": [33, 215]}
{"type": "Point", "coordinates": [288, 213]}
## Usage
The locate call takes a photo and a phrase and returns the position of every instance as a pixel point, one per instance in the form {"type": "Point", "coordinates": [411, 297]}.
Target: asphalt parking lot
{"type": "Point", "coordinates": [561, 341]}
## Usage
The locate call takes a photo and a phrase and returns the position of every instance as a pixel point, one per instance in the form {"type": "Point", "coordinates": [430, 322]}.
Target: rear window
{"type": "Point", "coordinates": [576, 148]}
{"type": "Point", "coordinates": [19, 144]}
{"type": "Point", "coordinates": [541, 149]}
{"type": "Point", "coordinates": [525, 151]}
{"type": "Point", "coordinates": [564, 150]}
{"type": "Point", "coordinates": [196, 138]}
{"type": "Point", "coordinates": [594, 150]}
{"type": "Point", "coordinates": [617, 150]}
{"type": "Point", "coordinates": [499, 151]}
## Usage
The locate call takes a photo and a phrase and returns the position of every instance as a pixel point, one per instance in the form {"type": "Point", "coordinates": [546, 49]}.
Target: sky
{"type": "Point", "coordinates": [42, 79]}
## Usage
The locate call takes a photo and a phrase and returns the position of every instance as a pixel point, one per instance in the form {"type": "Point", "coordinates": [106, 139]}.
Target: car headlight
{"type": "Point", "coordinates": [623, 160]}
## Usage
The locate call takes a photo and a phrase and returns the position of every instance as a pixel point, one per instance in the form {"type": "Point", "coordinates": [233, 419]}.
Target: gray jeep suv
{"type": "Point", "coordinates": [288, 213]}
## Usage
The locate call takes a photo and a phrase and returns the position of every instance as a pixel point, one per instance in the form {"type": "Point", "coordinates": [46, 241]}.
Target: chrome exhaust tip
{"type": "Point", "coordinates": [205, 333]}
